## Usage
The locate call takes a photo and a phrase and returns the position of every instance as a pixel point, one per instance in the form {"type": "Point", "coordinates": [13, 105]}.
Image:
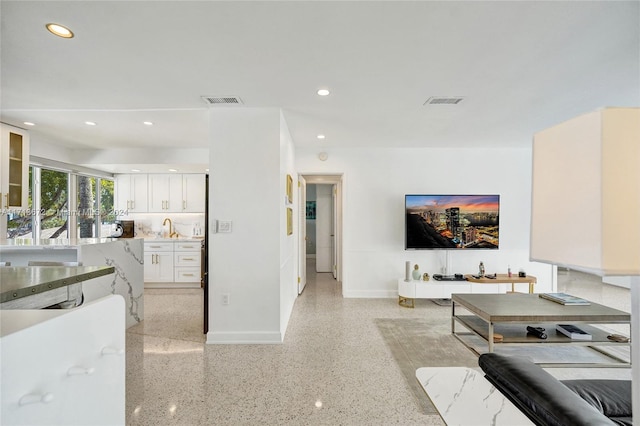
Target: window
{"type": "Point", "coordinates": [107, 214]}
{"type": "Point", "coordinates": [95, 213]}
{"type": "Point", "coordinates": [53, 214]}
{"type": "Point", "coordinates": [20, 222]}
{"type": "Point", "coordinates": [54, 204]}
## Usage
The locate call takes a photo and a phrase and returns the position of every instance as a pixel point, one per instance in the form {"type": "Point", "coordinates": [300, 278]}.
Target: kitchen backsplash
{"type": "Point", "coordinates": [150, 225]}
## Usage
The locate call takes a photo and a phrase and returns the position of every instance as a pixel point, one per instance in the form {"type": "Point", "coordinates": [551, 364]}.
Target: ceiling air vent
{"type": "Point", "coordinates": [444, 100]}
{"type": "Point", "coordinates": [222, 100]}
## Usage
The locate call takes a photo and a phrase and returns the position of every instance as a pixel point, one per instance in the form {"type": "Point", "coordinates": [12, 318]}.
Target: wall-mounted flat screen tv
{"type": "Point", "coordinates": [452, 222]}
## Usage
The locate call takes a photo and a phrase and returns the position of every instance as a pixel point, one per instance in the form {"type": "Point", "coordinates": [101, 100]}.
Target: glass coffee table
{"type": "Point", "coordinates": [507, 316]}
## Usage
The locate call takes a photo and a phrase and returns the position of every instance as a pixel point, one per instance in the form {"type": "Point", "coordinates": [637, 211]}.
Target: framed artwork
{"type": "Point", "coordinates": [311, 210]}
{"type": "Point", "coordinates": [289, 221]}
{"type": "Point", "coordinates": [289, 189]}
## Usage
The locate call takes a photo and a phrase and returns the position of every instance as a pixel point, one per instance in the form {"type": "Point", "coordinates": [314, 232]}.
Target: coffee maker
{"type": "Point", "coordinates": [124, 229]}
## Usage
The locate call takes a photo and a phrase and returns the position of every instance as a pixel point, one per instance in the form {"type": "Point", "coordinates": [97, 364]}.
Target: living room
{"type": "Point", "coordinates": [520, 67]}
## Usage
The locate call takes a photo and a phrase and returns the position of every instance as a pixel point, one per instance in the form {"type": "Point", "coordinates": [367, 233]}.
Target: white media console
{"type": "Point", "coordinates": [408, 291]}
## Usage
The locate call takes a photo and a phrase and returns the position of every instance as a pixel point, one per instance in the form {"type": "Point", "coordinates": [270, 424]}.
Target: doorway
{"type": "Point", "coordinates": [320, 244]}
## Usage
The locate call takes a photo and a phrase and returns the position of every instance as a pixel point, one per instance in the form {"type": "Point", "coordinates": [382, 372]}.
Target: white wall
{"type": "Point", "coordinates": [288, 243]}
{"type": "Point", "coordinates": [255, 265]}
{"type": "Point", "coordinates": [311, 224]}
{"type": "Point", "coordinates": [375, 182]}
{"type": "Point", "coordinates": [245, 188]}
{"type": "Point", "coordinates": [324, 228]}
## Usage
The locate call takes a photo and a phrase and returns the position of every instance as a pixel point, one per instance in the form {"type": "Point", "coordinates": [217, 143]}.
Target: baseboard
{"type": "Point", "coordinates": [371, 294]}
{"type": "Point", "coordinates": [243, 338]}
{"type": "Point", "coordinates": [172, 285]}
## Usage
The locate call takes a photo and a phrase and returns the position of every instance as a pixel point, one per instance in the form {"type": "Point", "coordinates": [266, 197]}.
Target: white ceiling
{"type": "Point", "coordinates": [521, 66]}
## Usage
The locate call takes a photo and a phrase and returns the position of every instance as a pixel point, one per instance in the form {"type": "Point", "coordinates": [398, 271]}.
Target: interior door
{"type": "Point", "coordinates": [334, 221]}
{"type": "Point", "coordinates": [302, 233]}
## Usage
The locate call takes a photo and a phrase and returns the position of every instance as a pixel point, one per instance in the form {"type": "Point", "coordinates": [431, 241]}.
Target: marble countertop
{"type": "Point", "coordinates": [173, 240]}
{"type": "Point", "coordinates": [23, 281]}
{"type": "Point", "coordinates": [52, 243]}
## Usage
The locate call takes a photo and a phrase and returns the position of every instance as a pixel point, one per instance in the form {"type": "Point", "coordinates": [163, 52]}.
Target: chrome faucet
{"type": "Point", "coordinates": [171, 233]}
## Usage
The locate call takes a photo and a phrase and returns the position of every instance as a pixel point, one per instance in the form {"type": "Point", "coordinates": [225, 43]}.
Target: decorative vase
{"type": "Point", "coordinates": [416, 272]}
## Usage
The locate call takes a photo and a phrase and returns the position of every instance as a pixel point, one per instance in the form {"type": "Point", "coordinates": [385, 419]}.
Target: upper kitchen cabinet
{"type": "Point", "coordinates": [131, 193]}
{"type": "Point", "coordinates": [193, 193]}
{"type": "Point", "coordinates": [165, 193]}
{"type": "Point", "coordinates": [176, 193]}
{"type": "Point", "coordinates": [14, 167]}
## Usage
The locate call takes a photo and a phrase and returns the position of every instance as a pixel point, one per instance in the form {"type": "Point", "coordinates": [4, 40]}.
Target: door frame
{"type": "Point", "coordinates": [302, 234]}
{"type": "Point", "coordinates": [337, 180]}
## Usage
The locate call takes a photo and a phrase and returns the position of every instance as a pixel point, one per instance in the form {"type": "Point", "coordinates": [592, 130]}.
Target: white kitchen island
{"type": "Point", "coordinates": [126, 255]}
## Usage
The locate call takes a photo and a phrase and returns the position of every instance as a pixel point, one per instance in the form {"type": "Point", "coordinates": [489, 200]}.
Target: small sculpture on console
{"type": "Point", "coordinates": [425, 277]}
{"type": "Point", "coordinates": [416, 272]}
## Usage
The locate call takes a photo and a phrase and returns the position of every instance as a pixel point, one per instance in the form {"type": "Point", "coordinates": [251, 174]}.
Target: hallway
{"type": "Point", "coordinates": [333, 367]}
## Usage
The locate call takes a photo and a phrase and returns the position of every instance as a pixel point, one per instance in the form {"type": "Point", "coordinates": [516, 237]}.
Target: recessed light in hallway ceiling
{"type": "Point", "coordinates": [59, 30]}
{"type": "Point", "coordinates": [444, 100]}
{"type": "Point", "coordinates": [323, 92]}
{"type": "Point", "coordinates": [321, 136]}
{"type": "Point", "coordinates": [90, 123]}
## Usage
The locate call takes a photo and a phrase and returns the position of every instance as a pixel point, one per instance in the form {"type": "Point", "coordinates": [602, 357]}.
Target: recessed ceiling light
{"type": "Point", "coordinates": [206, 170]}
{"type": "Point", "coordinates": [90, 123]}
{"type": "Point", "coordinates": [323, 92]}
{"type": "Point", "coordinates": [173, 170]}
{"type": "Point", "coordinates": [60, 30]}
{"type": "Point", "coordinates": [28, 123]}
{"type": "Point", "coordinates": [135, 170]}
{"type": "Point", "coordinates": [321, 136]}
{"type": "Point", "coordinates": [147, 123]}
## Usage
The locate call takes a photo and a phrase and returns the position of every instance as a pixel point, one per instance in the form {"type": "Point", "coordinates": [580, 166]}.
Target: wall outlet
{"type": "Point", "coordinates": [225, 299]}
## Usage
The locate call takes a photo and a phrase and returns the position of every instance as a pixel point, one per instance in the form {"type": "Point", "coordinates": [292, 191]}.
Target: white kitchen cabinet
{"type": "Point", "coordinates": [193, 193]}
{"type": "Point", "coordinates": [64, 366]}
{"type": "Point", "coordinates": [186, 259]}
{"type": "Point", "coordinates": [131, 193]}
{"type": "Point", "coordinates": [165, 193]}
{"type": "Point", "coordinates": [158, 262]}
{"type": "Point", "coordinates": [160, 193]}
{"type": "Point", "coordinates": [172, 264]}
{"type": "Point", "coordinates": [14, 167]}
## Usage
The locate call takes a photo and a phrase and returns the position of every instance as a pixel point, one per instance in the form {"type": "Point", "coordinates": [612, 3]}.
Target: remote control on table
{"type": "Point", "coordinates": [537, 331]}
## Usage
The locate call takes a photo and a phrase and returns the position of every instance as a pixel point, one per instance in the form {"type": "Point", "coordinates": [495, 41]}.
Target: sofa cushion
{"type": "Point", "coordinates": [611, 397]}
{"type": "Point", "coordinates": [543, 398]}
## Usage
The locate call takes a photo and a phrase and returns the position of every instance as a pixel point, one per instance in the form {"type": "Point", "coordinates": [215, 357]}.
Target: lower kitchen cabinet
{"type": "Point", "coordinates": [158, 262]}
{"type": "Point", "coordinates": [172, 264]}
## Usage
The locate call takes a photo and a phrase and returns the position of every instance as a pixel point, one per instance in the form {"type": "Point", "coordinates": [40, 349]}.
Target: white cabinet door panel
{"type": "Point", "coordinates": [67, 369]}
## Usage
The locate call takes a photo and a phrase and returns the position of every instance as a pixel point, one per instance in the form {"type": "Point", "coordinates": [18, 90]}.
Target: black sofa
{"type": "Point", "coordinates": [549, 401]}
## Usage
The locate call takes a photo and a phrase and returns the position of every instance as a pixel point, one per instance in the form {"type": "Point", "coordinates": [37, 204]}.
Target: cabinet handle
{"type": "Point", "coordinates": [188, 258]}
{"type": "Point", "coordinates": [155, 246]}
{"type": "Point", "coordinates": [188, 275]}
{"type": "Point", "coordinates": [110, 350]}
{"type": "Point", "coordinates": [80, 371]}
{"type": "Point", "coordinates": [133, 204]}
{"type": "Point", "coordinates": [184, 204]}
{"type": "Point", "coordinates": [34, 398]}
{"type": "Point", "coordinates": [6, 198]}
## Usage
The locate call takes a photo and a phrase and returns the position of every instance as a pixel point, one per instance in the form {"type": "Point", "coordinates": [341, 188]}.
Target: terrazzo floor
{"type": "Point", "coordinates": [333, 368]}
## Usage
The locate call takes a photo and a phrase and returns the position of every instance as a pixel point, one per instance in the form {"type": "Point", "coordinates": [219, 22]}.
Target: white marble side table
{"type": "Point", "coordinates": [464, 397]}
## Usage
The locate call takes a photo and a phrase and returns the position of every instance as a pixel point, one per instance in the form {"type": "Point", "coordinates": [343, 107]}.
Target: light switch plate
{"type": "Point", "coordinates": [224, 226]}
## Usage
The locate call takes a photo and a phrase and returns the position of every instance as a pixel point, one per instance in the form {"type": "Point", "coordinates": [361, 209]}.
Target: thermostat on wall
{"type": "Point", "coordinates": [223, 226]}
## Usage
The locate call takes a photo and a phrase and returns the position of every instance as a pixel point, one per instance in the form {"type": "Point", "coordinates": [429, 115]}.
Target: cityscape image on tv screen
{"type": "Point", "coordinates": [452, 221]}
